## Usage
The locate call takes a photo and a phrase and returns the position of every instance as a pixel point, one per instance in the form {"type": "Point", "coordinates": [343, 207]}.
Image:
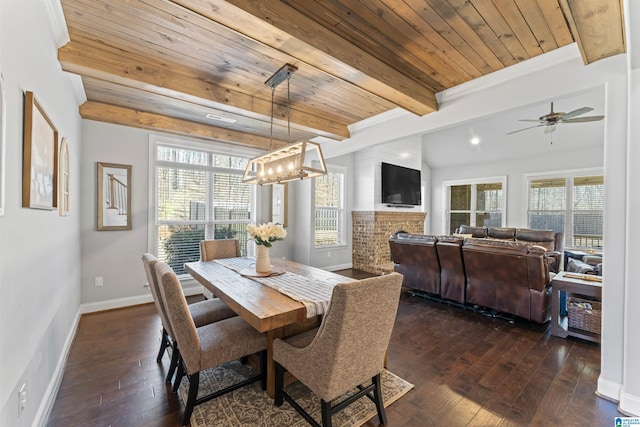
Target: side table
{"type": "Point", "coordinates": [571, 285]}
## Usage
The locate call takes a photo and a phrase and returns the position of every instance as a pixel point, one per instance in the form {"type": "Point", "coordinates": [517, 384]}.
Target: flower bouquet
{"type": "Point", "coordinates": [265, 234]}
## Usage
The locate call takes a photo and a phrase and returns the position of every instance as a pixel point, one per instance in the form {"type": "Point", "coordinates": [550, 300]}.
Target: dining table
{"type": "Point", "coordinates": [264, 307]}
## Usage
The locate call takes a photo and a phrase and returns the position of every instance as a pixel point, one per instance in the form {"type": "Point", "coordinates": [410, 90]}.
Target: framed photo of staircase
{"type": "Point", "coordinates": [114, 197]}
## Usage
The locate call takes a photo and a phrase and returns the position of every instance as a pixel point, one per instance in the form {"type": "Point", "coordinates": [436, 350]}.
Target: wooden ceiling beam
{"type": "Point", "coordinates": [140, 119]}
{"type": "Point", "coordinates": [278, 25]}
{"type": "Point", "coordinates": [597, 27]}
{"type": "Point", "coordinates": [175, 81]}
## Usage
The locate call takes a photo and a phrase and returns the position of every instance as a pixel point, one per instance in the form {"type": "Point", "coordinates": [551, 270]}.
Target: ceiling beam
{"type": "Point", "coordinates": [179, 82]}
{"type": "Point", "coordinates": [140, 119]}
{"type": "Point", "coordinates": [295, 34]}
{"type": "Point", "coordinates": [597, 27]}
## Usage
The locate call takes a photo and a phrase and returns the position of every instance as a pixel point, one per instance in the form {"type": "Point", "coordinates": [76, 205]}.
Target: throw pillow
{"type": "Point", "coordinates": [577, 266]}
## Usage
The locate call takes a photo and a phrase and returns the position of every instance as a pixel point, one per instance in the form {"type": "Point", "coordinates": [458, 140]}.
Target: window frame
{"type": "Point", "coordinates": [473, 182]}
{"type": "Point", "coordinates": [189, 144]}
{"type": "Point", "coordinates": [341, 211]}
{"type": "Point", "coordinates": [569, 175]}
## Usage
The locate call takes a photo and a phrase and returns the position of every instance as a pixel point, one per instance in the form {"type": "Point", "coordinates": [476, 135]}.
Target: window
{"type": "Point", "coordinates": [329, 209]}
{"type": "Point", "coordinates": [572, 204]}
{"type": "Point", "coordinates": [479, 204]}
{"type": "Point", "coordinates": [198, 195]}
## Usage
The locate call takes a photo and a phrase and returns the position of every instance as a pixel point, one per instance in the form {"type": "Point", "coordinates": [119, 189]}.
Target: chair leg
{"type": "Point", "coordinates": [194, 382]}
{"type": "Point", "coordinates": [377, 395]}
{"type": "Point", "coordinates": [164, 343]}
{"type": "Point", "coordinates": [175, 357]}
{"type": "Point", "coordinates": [179, 375]}
{"type": "Point", "coordinates": [263, 369]}
{"type": "Point", "coordinates": [279, 395]}
{"type": "Point", "coordinates": [325, 407]}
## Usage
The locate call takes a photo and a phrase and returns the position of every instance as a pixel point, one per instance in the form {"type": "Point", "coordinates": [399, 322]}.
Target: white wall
{"type": "Point", "coordinates": [39, 250]}
{"type": "Point", "coordinates": [514, 170]}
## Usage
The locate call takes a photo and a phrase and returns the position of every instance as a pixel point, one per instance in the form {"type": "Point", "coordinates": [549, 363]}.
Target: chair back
{"type": "Point", "coordinates": [352, 340]}
{"type": "Point", "coordinates": [149, 261]}
{"type": "Point", "coordinates": [184, 329]}
{"type": "Point", "coordinates": [220, 248]}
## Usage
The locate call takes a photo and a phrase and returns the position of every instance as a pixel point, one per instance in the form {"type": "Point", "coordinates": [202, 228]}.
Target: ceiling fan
{"type": "Point", "coordinates": [552, 119]}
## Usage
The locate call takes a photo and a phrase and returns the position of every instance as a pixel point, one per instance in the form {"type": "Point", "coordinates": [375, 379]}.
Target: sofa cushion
{"type": "Point", "coordinates": [577, 266]}
{"type": "Point", "coordinates": [501, 233]}
{"type": "Point", "coordinates": [476, 232]}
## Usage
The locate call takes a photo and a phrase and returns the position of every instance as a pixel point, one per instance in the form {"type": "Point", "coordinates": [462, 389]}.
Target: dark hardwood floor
{"type": "Point", "coordinates": [468, 370]}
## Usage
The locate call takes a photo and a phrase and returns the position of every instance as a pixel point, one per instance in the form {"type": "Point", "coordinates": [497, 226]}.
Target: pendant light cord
{"type": "Point", "coordinates": [288, 110]}
{"type": "Point", "coordinates": [273, 90]}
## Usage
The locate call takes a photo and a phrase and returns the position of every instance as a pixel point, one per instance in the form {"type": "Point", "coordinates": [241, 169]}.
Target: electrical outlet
{"type": "Point", "coordinates": [99, 281]}
{"type": "Point", "coordinates": [22, 399]}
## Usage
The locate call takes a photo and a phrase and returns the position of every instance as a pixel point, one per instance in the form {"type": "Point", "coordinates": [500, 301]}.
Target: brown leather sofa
{"type": "Point", "coordinates": [551, 240]}
{"type": "Point", "coordinates": [507, 276]}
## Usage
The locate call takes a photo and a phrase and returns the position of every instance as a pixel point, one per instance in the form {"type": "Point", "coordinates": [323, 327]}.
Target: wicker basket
{"type": "Point", "coordinates": [584, 314]}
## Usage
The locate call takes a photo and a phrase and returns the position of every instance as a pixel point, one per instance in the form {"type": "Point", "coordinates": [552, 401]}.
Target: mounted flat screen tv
{"type": "Point", "coordinates": [400, 185]}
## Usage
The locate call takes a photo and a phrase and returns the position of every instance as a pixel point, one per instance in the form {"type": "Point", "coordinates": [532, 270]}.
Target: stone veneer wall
{"type": "Point", "coordinates": [371, 231]}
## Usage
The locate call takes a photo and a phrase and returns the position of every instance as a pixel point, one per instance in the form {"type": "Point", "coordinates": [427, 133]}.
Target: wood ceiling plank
{"type": "Point", "coordinates": [469, 14]}
{"type": "Point", "coordinates": [145, 120]}
{"type": "Point", "coordinates": [597, 26]}
{"type": "Point", "coordinates": [110, 93]}
{"type": "Point", "coordinates": [435, 28]}
{"type": "Point", "coordinates": [519, 27]}
{"type": "Point", "coordinates": [501, 28]}
{"type": "Point", "coordinates": [386, 36]}
{"type": "Point", "coordinates": [538, 24]}
{"type": "Point", "coordinates": [470, 35]}
{"type": "Point", "coordinates": [556, 21]}
{"type": "Point", "coordinates": [181, 83]}
{"type": "Point", "coordinates": [298, 36]}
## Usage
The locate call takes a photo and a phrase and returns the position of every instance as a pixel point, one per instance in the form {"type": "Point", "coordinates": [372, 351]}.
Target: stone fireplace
{"type": "Point", "coordinates": [371, 231]}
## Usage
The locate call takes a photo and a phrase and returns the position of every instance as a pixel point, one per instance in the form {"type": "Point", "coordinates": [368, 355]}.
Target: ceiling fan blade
{"type": "Point", "coordinates": [532, 120]}
{"type": "Point", "coordinates": [550, 128]}
{"type": "Point", "coordinates": [575, 113]}
{"type": "Point", "coordinates": [584, 119]}
{"type": "Point", "coordinates": [520, 130]}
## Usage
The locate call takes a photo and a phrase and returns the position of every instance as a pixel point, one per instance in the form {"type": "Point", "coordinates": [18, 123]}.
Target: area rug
{"type": "Point", "coordinates": [250, 406]}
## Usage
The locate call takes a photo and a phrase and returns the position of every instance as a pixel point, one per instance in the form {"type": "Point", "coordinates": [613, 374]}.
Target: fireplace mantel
{"type": "Point", "coordinates": [371, 231]}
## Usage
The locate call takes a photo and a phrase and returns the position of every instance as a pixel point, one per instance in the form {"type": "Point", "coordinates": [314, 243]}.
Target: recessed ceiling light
{"type": "Point", "coordinates": [475, 140]}
{"type": "Point", "coordinates": [220, 118]}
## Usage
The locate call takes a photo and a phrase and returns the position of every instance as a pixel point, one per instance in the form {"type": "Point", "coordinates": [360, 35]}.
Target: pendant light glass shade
{"type": "Point", "coordinates": [300, 160]}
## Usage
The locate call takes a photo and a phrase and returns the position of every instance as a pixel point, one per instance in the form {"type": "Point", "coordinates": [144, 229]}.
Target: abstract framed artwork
{"type": "Point", "coordinates": [64, 178]}
{"type": "Point", "coordinates": [3, 126]}
{"type": "Point", "coordinates": [280, 204]}
{"type": "Point", "coordinates": [40, 157]}
{"type": "Point", "coordinates": [114, 197]}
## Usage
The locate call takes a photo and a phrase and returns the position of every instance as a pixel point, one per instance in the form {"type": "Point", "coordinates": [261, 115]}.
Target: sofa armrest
{"type": "Point", "coordinates": [555, 260]}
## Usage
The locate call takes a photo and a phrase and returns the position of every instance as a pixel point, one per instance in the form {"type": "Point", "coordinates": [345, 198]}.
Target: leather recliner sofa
{"type": "Point", "coordinates": [551, 241]}
{"type": "Point", "coordinates": [510, 277]}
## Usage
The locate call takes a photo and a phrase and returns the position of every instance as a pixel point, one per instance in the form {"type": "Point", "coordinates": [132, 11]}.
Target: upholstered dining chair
{"type": "Point", "coordinates": [209, 345]}
{"type": "Point", "coordinates": [202, 312]}
{"type": "Point", "coordinates": [218, 249]}
{"type": "Point", "coordinates": [346, 351]}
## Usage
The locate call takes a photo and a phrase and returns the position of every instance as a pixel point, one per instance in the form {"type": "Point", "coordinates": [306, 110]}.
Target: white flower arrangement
{"type": "Point", "coordinates": [264, 234]}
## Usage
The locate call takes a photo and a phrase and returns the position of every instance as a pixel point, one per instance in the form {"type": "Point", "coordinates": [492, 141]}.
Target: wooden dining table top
{"type": "Point", "coordinates": [262, 307]}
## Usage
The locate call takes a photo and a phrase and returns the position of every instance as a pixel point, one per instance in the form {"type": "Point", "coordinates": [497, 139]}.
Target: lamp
{"type": "Point", "coordinates": [299, 160]}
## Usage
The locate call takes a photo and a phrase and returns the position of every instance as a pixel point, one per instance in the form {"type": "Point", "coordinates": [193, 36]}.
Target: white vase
{"type": "Point", "coordinates": [263, 261]}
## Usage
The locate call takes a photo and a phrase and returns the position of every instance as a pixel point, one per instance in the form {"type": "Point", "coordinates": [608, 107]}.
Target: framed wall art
{"type": "Point", "coordinates": [40, 157]}
{"type": "Point", "coordinates": [280, 204]}
{"type": "Point", "coordinates": [63, 176]}
{"type": "Point", "coordinates": [3, 126]}
{"type": "Point", "coordinates": [114, 196]}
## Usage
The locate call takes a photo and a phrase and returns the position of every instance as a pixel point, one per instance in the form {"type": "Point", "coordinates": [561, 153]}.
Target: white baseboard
{"type": "Point", "coordinates": [129, 301]}
{"type": "Point", "coordinates": [629, 404]}
{"type": "Point", "coordinates": [52, 389]}
{"type": "Point", "coordinates": [608, 389]}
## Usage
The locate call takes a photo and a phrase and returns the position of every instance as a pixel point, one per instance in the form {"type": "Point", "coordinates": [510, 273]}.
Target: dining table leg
{"type": "Point", "coordinates": [271, 366]}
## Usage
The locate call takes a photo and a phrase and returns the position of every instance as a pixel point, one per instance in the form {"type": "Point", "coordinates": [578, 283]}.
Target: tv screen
{"type": "Point", "coordinates": [400, 185]}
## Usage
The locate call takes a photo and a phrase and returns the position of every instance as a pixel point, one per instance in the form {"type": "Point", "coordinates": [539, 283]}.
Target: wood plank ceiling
{"type": "Point", "coordinates": [165, 65]}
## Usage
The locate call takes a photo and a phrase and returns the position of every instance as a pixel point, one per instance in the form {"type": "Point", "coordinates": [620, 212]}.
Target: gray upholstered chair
{"type": "Point", "coordinates": [209, 345]}
{"type": "Point", "coordinates": [348, 349]}
{"type": "Point", "coordinates": [218, 249]}
{"type": "Point", "coordinates": [202, 312]}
